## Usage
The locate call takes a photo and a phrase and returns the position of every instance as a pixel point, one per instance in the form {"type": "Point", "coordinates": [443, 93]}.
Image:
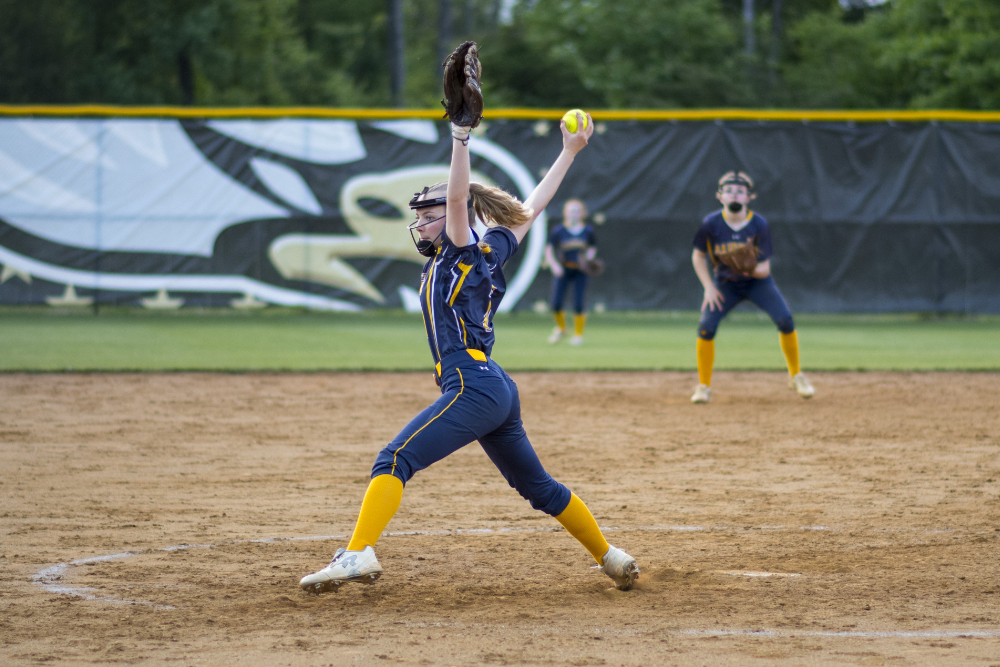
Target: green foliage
{"type": "Point", "coordinates": [126, 52]}
{"type": "Point", "coordinates": [553, 53]}
{"type": "Point", "coordinates": [915, 54]}
{"type": "Point", "coordinates": [623, 54]}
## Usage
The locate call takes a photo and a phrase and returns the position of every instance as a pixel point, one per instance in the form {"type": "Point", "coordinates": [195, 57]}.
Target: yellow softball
{"type": "Point", "coordinates": [570, 118]}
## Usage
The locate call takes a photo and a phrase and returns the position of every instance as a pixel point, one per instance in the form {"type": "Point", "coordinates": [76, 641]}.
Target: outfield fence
{"type": "Point", "coordinates": [164, 207]}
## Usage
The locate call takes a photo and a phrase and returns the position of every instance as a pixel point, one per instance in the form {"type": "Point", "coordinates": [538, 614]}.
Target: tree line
{"type": "Point", "coordinates": [611, 54]}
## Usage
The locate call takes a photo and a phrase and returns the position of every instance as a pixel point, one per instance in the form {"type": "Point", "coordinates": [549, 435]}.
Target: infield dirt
{"type": "Point", "coordinates": [860, 527]}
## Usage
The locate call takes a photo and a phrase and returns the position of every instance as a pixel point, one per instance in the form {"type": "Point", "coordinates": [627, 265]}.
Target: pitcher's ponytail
{"type": "Point", "coordinates": [496, 206]}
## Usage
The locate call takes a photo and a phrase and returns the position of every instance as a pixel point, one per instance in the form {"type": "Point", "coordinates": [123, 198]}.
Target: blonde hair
{"type": "Point", "coordinates": [492, 205]}
{"type": "Point", "coordinates": [497, 206]}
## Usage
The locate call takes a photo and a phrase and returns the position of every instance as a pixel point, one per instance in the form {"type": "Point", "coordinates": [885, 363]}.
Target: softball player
{"type": "Point", "coordinates": [567, 243]}
{"type": "Point", "coordinates": [460, 289]}
{"type": "Point", "coordinates": [735, 224]}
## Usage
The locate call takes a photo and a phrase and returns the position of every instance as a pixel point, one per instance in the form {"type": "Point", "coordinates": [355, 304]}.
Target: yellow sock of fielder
{"type": "Point", "coordinates": [560, 319]}
{"type": "Point", "coordinates": [382, 499]}
{"type": "Point", "coordinates": [580, 523]}
{"type": "Point", "coordinates": [705, 350]}
{"type": "Point", "coordinates": [790, 346]}
{"type": "Point", "coordinates": [579, 321]}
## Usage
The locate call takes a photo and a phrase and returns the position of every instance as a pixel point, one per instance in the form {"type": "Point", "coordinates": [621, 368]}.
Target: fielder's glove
{"type": "Point", "coordinates": [741, 259]}
{"type": "Point", "coordinates": [463, 100]}
{"type": "Point", "coordinates": [592, 267]}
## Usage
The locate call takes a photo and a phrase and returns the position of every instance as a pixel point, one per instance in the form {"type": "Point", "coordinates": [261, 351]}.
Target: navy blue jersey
{"type": "Point", "coordinates": [568, 244]}
{"type": "Point", "coordinates": [460, 291]}
{"type": "Point", "coordinates": [715, 234]}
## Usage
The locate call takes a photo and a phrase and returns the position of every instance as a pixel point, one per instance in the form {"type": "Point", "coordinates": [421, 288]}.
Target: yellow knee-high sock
{"type": "Point", "coordinates": [705, 350]}
{"type": "Point", "coordinates": [560, 319]}
{"type": "Point", "coordinates": [580, 523]}
{"type": "Point", "coordinates": [579, 321]}
{"type": "Point", "coordinates": [790, 346]}
{"type": "Point", "coordinates": [381, 502]}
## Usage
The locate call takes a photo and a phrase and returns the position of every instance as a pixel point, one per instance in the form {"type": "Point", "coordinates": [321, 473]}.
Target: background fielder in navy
{"type": "Point", "coordinates": [736, 225]}
{"type": "Point", "coordinates": [569, 245]}
{"type": "Point", "coordinates": [460, 290]}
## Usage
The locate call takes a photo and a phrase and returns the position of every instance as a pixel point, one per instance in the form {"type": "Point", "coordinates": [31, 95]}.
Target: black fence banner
{"type": "Point", "coordinates": [159, 212]}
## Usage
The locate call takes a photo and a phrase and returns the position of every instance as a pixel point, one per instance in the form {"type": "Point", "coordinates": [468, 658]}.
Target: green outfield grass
{"type": "Point", "coordinates": [277, 339]}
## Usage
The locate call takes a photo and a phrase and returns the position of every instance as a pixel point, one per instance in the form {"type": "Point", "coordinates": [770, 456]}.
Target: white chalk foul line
{"type": "Point", "coordinates": [875, 634]}
{"type": "Point", "coordinates": [743, 632]}
{"type": "Point", "coordinates": [50, 578]}
{"type": "Point", "coordinates": [734, 573]}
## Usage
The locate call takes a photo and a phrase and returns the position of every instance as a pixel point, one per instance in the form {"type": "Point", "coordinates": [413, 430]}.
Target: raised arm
{"type": "Point", "coordinates": [457, 220]}
{"type": "Point", "coordinates": [573, 143]}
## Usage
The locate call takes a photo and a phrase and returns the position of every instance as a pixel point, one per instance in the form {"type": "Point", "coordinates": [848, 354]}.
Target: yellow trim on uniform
{"type": "Point", "coordinates": [464, 268]}
{"type": "Point", "coordinates": [465, 334]}
{"type": "Point", "coordinates": [478, 355]}
{"type": "Point", "coordinates": [794, 115]}
{"type": "Point", "coordinates": [725, 217]}
{"type": "Point", "coordinates": [462, 389]}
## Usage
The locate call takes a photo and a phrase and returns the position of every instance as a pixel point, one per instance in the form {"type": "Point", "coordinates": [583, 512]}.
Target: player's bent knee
{"type": "Point", "coordinates": [547, 496]}
{"type": "Point", "coordinates": [389, 463]}
{"type": "Point", "coordinates": [786, 325]}
{"type": "Point", "coordinates": [706, 334]}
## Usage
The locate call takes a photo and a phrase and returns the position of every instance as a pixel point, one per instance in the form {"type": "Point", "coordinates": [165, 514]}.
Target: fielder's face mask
{"type": "Point", "coordinates": [736, 178]}
{"type": "Point", "coordinates": [425, 246]}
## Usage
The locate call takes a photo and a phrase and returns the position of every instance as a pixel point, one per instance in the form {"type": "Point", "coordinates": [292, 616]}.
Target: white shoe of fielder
{"type": "Point", "coordinates": [360, 566]}
{"type": "Point", "coordinates": [557, 335]}
{"type": "Point", "coordinates": [621, 567]}
{"type": "Point", "coordinates": [799, 383]}
{"type": "Point", "coordinates": [703, 394]}
{"type": "Point", "coordinates": [576, 340]}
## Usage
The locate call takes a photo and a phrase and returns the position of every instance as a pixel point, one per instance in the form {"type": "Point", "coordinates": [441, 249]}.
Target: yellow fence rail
{"type": "Point", "coordinates": [103, 110]}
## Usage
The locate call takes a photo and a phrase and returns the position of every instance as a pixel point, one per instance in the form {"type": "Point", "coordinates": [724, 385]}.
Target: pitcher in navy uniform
{"type": "Point", "coordinates": [569, 244]}
{"type": "Point", "coordinates": [735, 224]}
{"type": "Point", "coordinates": [460, 289]}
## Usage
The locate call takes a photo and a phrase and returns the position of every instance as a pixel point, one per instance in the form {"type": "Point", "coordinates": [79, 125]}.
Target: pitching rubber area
{"type": "Point", "coordinates": [153, 519]}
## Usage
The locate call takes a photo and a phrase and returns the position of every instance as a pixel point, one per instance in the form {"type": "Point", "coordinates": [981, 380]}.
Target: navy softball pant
{"type": "Point", "coordinates": [478, 402]}
{"type": "Point", "coordinates": [559, 285]}
{"type": "Point", "coordinates": [762, 292]}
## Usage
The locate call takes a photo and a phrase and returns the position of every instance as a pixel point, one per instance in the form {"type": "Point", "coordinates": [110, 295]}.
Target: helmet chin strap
{"type": "Point", "coordinates": [426, 246]}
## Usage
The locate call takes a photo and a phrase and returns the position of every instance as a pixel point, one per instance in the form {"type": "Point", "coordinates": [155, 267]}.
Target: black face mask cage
{"type": "Point", "coordinates": [425, 247]}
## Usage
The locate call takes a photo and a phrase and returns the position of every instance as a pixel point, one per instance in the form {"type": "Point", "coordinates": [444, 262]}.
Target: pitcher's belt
{"type": "Point", "coordinates": [460, 356]}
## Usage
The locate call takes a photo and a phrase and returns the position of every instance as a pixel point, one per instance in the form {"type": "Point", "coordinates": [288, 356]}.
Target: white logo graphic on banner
{"type": "Point", "coordinates": [142, 190]}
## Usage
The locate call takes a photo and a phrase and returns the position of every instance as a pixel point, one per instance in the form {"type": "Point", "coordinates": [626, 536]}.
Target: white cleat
{"type": "Point", "coordinates": [621, 567]}
{"type": "Point", "coordinates": [703, 394]}
{"type": "Point", "coordinates": [557, 335]}
{"type": "Point", "coordinates": [799, 383]}
{"type": "Point", "coordinates": [358, 566]}
{"type": "Point", "coordinates": [576, 340]}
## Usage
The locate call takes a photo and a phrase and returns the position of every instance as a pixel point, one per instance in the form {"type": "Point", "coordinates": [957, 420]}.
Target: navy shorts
{"type": "Point", "coordinates": [478, 402]}
{"type": "Point", "coordinates": [761, 291]}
